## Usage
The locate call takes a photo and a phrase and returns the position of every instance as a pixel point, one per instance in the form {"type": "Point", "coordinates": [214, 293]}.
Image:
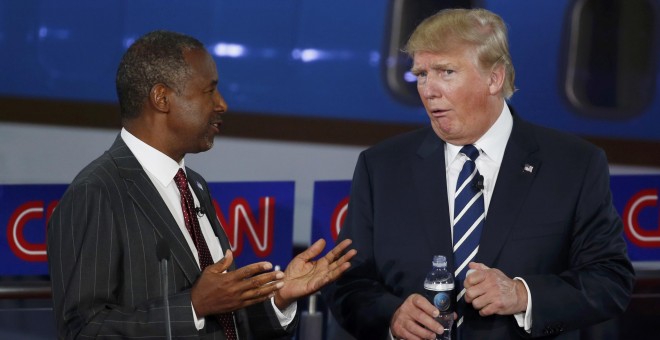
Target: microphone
{"type": "Point", "coordinates": [163, 253]}
{"type": "Point", "coordinates": [479, 182]}
{"type": "Point", "coordinates": [201, 211]}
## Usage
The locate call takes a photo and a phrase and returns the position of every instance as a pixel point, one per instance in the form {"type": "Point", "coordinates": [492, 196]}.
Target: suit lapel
{"type": "Point", "coordinates": [201, 191]}
{"type": "Point", "coordinates": [515, 177]}
{"type": "Point", "coordinates": [148, 200]}
{"type": "Point", "coordinates": [428, 168]}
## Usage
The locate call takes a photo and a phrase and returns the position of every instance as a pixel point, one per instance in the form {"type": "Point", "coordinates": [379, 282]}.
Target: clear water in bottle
{"type": "Point", "coordinates": [439, 289]}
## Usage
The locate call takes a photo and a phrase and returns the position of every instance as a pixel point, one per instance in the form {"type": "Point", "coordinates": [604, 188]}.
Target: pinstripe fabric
{"type": "Point", "coordinates": [104, 270]}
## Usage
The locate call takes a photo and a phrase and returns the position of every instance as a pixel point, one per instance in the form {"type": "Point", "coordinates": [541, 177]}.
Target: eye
{"type": "Point", "coordinates": [419, 74]}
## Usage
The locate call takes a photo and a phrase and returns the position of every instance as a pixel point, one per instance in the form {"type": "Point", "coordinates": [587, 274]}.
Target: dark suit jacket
{"type": "Point", "coordinates": [104, 269]}
{"type": "Point", "coordinates": [555, 227]}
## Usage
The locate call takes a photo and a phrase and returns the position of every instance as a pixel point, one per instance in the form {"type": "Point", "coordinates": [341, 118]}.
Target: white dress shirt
{"type": "Point", "coordinates": [491, 147]}
{"type": "Point", "coordinates": [161, 169]}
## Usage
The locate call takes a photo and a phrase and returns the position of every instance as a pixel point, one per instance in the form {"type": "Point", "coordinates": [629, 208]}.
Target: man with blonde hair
{"type": "Point", "coordinates": [526, 210]}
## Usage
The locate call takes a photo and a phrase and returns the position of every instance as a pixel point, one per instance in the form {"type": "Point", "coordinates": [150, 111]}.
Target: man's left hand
{"type": "Point", "coordinates": [303, 276]}
{"type": "Point", "coordinates": [491, 292]}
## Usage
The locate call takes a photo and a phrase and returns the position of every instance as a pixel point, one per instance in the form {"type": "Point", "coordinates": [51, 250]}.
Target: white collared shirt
{"type": "Point", "coordinates": [491, 147]}
{"type": "Point", "coordinates": [161, 169]}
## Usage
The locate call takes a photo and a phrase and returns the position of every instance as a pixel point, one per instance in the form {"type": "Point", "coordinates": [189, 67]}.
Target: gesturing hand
{"type": "Point", "coordinates": [217, 291]}
{"type": "Point", "coordinates": [303, 276]}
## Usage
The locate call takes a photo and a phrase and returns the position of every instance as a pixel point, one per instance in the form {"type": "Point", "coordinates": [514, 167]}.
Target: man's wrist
{"type": "Point", "coordinates": [521, 294]}
{"type": "Point", "coordinates": [282, 303]}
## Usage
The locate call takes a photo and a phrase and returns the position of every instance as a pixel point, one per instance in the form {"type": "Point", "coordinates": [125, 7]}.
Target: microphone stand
{"type": "Point", "coordinates": [163, 252]}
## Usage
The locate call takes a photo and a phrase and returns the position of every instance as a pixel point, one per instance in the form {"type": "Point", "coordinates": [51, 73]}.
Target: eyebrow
{"type": "Point", "coordinates": [437, 66]}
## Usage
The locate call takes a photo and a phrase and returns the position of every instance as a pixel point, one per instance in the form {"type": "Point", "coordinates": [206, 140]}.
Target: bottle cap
{"type": "Point", "coordinates": [439, 260]}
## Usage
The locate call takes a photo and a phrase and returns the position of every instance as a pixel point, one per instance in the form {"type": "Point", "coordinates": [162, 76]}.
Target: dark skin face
{"type": "Point", "coordinates": [194, 117]}
{"type": "Point", "coordinates": [177, 123]}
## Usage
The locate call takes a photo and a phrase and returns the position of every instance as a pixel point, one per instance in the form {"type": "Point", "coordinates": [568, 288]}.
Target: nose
{"type": "Point", "coordinates": [427, 89]}
{"type": "Point", "coordinates": [219, 103]}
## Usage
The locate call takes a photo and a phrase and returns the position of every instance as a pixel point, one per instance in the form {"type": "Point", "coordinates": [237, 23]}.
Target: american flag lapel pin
{"type": "Point", "coordinates": [528, 168]}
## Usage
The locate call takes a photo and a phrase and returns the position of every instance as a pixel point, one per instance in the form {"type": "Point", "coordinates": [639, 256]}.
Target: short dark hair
{"type": "Point", "coordinates": [156, 57]}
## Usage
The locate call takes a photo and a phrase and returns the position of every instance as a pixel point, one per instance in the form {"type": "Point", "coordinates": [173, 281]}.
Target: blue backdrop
{"type": "Point", "coordinates": [295, 57]}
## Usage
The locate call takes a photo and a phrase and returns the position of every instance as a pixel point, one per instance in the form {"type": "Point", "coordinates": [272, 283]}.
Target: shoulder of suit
{"type": "Point", "coordinates": [565, 146]}
{"type": "Point", "coordinates": [98, 169]}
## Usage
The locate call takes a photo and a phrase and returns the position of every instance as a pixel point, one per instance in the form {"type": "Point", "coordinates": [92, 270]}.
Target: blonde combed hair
{"type": "Point", "coordinates": [480, 28]}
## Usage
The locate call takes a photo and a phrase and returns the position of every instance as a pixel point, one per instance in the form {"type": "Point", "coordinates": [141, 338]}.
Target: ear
{"type": "Point", "coordinates": [159, 97]}
{"type": "Point", "coordinates": [496, 80]}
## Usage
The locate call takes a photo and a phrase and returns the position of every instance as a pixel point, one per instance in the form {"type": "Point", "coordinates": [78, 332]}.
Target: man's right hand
{"type": "Point", "coordinates": [415, 320]}
{"type": "Point", "coordinates": [217, 291]}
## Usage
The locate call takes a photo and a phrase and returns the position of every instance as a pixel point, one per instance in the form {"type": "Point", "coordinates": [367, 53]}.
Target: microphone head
{"type": "Point", "coordinates": [162, 250]}
{"type": "Point", "coordinates": [479, 182]}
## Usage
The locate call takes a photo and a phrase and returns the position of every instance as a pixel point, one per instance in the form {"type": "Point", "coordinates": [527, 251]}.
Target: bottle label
{"type": "Point", "coordinates": [442, 300]}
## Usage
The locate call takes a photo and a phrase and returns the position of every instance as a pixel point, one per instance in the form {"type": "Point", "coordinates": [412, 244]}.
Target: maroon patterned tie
{"type": "Point", "coordinates": [205, 259]}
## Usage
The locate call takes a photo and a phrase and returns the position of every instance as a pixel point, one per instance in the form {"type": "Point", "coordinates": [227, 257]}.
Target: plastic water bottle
{"type": "Point", "coordinates": [439, 289]}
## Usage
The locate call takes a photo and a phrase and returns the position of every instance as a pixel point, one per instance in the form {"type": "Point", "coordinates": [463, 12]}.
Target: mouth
{"type": "Point", "coordinates": [438, 113]}
{"type": "Point", "coordinates": [216, 125]}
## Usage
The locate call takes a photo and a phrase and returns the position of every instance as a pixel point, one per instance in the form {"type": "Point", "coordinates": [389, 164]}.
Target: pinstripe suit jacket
{"type": "Point", "coordinates": [104, 270]}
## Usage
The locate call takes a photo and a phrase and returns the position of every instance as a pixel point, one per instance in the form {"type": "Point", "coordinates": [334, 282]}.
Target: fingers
{"type": "Point", "coordinates": [222, 265]}
{"type": "Point", "coordinates": [427, 307]}
{"type": "Point", "coordinates": [335, 255]}
{"type": "Point", "coordinates": [475, 282]}
{"type": "Point", "coordinates": [262, 285]}
{"type": "Point", "coordinates": [414, 319]}
{"type": "Point", "coordinates": [477, 266]}
{"type": "Point", "coordinates": [492, 292]}
{"type": "Point", "coordinates": [252, 269]}
{"type": "Point", "coordinates": [255, 282]}
{"type": "Point", "coordinates": [474, 275]}
{"type": "Point", "coordinates": [313, 251]}
{"type": "Point", "coordinates": [217, 291]}
{"type": "Point", "coordinates": [338, 249]}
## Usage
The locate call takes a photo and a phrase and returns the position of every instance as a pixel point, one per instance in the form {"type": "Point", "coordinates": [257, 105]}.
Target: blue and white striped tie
{"type": "Point", "coordinates": [469, 217]}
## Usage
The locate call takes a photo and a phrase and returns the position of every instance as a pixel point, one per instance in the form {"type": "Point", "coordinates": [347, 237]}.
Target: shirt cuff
{"type": "Point", "coordinates": [389, 334]}
{"type": "Point", "coordinates": [287, 315]}
{"type": "Point", "coordinates": [199, 322]}
{"type": "Point", "coordinates": [524, 319]}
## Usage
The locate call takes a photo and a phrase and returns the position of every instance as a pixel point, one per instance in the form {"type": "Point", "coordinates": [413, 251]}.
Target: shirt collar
{"type": "Point", "coordinates": [158, 164]}
{"type": "Point", "coordinates": [492, 143]}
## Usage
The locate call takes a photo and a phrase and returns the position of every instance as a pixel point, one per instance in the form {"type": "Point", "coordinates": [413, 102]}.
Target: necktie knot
{"type": "Point", "coordinates": [181, 180]}
{"type": "Point", "coordinates": [471, 151]}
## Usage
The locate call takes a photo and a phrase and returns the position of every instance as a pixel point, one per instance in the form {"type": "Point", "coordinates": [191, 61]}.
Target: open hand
{"type": "Point", "coordinates": [217, 291]}
{"type": "Point", "coordinates": [303, 276]}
